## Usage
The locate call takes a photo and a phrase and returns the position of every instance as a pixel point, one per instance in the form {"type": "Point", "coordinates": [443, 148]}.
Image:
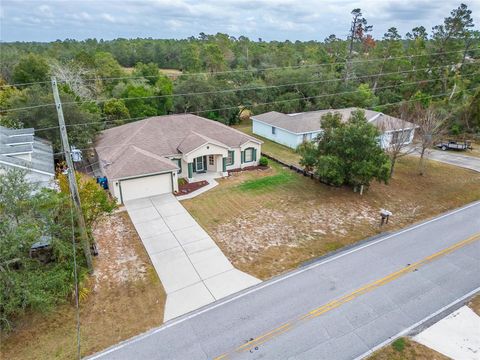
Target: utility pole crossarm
{"type": "Point", "coordinates": [71, 177]}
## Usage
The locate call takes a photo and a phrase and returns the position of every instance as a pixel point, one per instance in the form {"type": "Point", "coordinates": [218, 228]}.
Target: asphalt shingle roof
{"type": "Point", "coordinates": [310, 121]}
{"type": "Point", "coordinates": [142, 147]}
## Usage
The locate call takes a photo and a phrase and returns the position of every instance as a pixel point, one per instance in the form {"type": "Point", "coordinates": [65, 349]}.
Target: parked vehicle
{"type": "Point", "coordinates": [454, 145]}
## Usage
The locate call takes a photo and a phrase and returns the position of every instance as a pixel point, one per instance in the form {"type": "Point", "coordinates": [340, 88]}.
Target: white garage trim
{"type": "Point", "coordinates": [145, 185]}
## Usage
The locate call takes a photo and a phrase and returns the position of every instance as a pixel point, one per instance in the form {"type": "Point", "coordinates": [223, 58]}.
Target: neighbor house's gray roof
{"type": "Point", "coordinates": [307, 122]}
{"type": "Point", "coordinates": [142, 147]}
{"type": "Point", "coordinates": [17, 143]}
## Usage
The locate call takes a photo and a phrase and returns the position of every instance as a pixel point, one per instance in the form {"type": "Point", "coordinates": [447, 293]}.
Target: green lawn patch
{"type": "Point", "coordinates": [267, 182]}
{"type": "Point", "coordinates": [399, 344]}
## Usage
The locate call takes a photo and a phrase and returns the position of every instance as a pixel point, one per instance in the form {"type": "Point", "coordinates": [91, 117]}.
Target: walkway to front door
{"type": "Point", "coordinates": [191, 267]}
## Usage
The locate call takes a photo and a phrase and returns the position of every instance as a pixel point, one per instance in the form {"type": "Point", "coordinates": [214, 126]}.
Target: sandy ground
{"type": "Point", "coordinates": [124, 297]}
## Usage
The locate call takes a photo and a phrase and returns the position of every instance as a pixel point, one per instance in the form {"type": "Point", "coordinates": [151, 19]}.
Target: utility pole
{"type": "Point", "coordinates": [71, 177]}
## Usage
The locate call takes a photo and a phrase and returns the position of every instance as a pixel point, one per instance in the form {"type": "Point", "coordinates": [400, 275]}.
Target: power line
{"type": "Point", "coordinates": [283, 67]}
{"type": "Point", "coordinates": [24, 84]}
{"type": "Point", "coordinates": [237, 106]}
{"type": "Point", "coordinates": [234, 107]}
{"type": "Point", "coordinates": [256, 88]}
{"type": "Point", "coordinates": [250, 70]}
{"type": "Point", "coordinates": [227, 90]}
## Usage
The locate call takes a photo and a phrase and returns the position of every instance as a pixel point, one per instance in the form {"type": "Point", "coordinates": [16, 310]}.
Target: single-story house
{"type": "Point", "coordinates": [293, 129]}
{"type": "Point", "coordinates": [147, 157]}
{"type": "Point", "coordinates": [21, 149]}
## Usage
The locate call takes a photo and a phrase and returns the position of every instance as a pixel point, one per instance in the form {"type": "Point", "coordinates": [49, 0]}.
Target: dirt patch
{"type": "Point", "coordinates": [407, 349]}
{"type": "Point", "coordinates": [125, 298]}
{"type": "Point", "coordinates": [268, 230]}
{"type": "Point", "coordinates": [475, 304]}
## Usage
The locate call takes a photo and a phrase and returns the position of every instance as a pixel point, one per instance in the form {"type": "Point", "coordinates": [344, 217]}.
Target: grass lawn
{"type": "Point", "coordinates": [406, 349]}
{"type": "Point", "coordinates": [126, 298]}
{"type": "Point", "coordinates": [270, 221]}
{"type": "Point", "coordinates": [269, 147]}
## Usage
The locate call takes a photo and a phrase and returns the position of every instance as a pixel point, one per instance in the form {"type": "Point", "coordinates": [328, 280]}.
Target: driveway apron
{"type": "Point", "coordinates": [191, 267]}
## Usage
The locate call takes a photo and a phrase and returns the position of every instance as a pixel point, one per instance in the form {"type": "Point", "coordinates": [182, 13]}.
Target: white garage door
{"type": "Point", "coordinates": [146, 186]}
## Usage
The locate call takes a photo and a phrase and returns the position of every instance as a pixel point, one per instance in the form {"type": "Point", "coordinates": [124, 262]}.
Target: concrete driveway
{"type": "Point", "coordinates": [453, 158]}
{"type": "Point", "coordinates": [192, 268]}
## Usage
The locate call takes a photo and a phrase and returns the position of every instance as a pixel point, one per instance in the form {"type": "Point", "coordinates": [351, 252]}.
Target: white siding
{"type": "Point", "coordinates": [248, 144]}
{"type": "Point", "coordinates": [281, 136]}
{"type": "Point", "coordinates": [144, 186]}
{"type": "Point", "coordinates": [386, 138]}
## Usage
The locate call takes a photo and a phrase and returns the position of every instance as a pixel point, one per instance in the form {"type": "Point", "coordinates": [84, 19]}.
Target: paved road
{"type": "Point", "coordinates": [341, 307]}
{"type": "Point", "coordinates": [454, 158]}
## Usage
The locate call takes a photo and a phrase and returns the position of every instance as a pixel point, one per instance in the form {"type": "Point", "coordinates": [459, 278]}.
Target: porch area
{"type": "Point", "coordinates": [206, 167]}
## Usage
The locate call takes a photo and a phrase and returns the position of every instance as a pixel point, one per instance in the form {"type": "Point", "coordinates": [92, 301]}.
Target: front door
{"type": "Point", "coordinates": [200, 165]}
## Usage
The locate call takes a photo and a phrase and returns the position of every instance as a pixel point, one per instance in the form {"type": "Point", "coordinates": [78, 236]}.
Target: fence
{"type": "Point", "coordinates": [293, 167]}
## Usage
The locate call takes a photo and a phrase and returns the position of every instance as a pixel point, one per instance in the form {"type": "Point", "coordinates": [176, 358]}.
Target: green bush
{"type": "Point", "coordinates": [456, 129]}
{"type": "Point", "coordinates": [263, 161]}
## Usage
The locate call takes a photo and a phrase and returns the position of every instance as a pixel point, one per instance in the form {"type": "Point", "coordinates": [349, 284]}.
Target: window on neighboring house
{"type": "Point", "coordinates": [400, 136]}
{"type": "Point", "coordinates": [249, 155]}
{"type": "Point", "coordinates": [274, 130]}
{"type": "Point", "coordinates": [178, 162]}
{"type": "Point", "coordinates": [307, 137]}
{"type": "Point", "coordinates": [230, 158]}
{"type": "Point", "coordinates": [211, 160]}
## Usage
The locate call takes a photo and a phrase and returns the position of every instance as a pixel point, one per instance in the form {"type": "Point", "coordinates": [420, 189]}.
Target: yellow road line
{"type": "Point", "coordinates": [346, 298]}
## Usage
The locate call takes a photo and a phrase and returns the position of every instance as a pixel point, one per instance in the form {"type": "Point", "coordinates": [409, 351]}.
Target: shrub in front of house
{"type": "Point", "coordinates": [263, 161]}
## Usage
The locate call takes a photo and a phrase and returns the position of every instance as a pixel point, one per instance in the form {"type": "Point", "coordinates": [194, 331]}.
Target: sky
{"type": "Point", "coordinates": [49, 20]}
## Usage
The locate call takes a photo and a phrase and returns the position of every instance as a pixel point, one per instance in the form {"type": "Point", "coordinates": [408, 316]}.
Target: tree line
{"type": "Point", "coordinates": [220, 76]}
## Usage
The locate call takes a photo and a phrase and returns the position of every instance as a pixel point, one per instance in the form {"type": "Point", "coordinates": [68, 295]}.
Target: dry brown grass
{"type": "Point", "coordinates": [475, 150]}
{"type": "Point", "coordinates": [267, 231]}
{"type": "Point", "coordinates": [411, 351]}
{"type": "Point", "coordinates": [475, 304]}
{"type": "Point", "coordinates": [126, 299]}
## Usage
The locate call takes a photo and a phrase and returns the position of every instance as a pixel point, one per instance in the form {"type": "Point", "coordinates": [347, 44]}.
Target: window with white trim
{"type": "Point", "coordinates": [249, 155]}
{"type": "Point", "coordinates": [274, 130]}
{"type": "Point", "coordinates": [230, 158]}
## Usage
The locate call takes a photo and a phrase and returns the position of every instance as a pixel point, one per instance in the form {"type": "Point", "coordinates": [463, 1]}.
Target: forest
{"type": "Point", "coordinates": [107, 83]}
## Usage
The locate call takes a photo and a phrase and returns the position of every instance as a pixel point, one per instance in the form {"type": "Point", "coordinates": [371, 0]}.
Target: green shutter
{"type": "Point", "coordinates": [243, 156]}
{"type": "Point", "coordinates": [254, 154]}
{"type": "Point", "coordinates": [233, 157]}
{"type": "Point", "coordinates": [224, 163]}
{"type": "Point", "coordinates": [190, 170]}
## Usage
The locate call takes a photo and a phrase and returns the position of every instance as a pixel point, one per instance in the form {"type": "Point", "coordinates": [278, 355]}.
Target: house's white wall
{"type": "Point", "coordinates": [237, 157]}
{"type": "Point", "coordinates": [310, 137]}
{"type": "Point", "coordinates": [129, 189]}
{"type": "Point", "coordinates": [38, 179]}
{"type": "Point", "coordinates": [207, 149]}
{"type": "Point", "coordinates": [386, 138]}
{"type": "Point", "coordinates": [281, 136]}
{"type": "Point", "coordinates": [249, 144]}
